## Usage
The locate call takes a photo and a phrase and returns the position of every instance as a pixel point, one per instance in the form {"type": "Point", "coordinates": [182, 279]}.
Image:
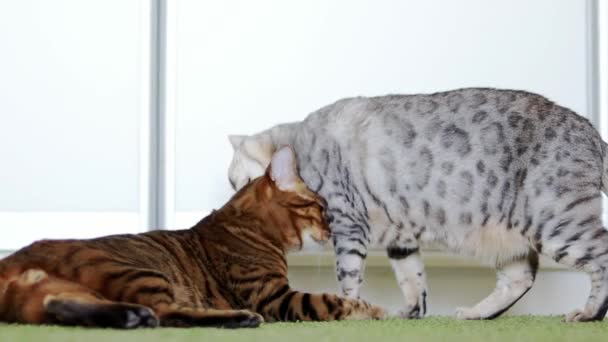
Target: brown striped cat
{"type": "Point", "coordinates": [229, 270]}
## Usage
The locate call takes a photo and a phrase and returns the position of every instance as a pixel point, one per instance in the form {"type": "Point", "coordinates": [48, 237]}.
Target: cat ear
{"type": "Point", "coordinates": [236, 140]}
{"type": "Point", "coordinates": [283, 169]}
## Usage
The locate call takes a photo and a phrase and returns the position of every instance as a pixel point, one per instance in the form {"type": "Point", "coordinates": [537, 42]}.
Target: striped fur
{"type": "Point", "coordinates": [228, 270]}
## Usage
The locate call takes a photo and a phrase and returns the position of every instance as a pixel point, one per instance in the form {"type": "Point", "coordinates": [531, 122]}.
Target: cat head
{"type": "Point", "coordinates": [282, 198]}
{"type": "Point", "coordinates": [252, 155]}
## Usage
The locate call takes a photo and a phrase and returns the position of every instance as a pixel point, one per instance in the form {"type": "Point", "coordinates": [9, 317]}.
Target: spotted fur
{"type": "Point", "coordinates": [501, 175]}
{"type": "Point", "coordinates": [228, 270]}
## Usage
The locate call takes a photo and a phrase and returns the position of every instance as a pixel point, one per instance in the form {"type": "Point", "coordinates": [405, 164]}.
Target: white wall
{"type": "Point", "coordinates": [70, 103]}
{"type": "Point", "coordinates": [243, 66]}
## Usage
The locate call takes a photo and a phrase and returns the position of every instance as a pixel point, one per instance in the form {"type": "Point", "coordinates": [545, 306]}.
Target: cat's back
{"type": "Point", "coordinates": [465, 121]}
{"type": "Point", "coordinates": [141, 250]}
{"type": "Point", "coordinates": [464, 151]}
{"type": "Point", "coordinates": [479, 105]}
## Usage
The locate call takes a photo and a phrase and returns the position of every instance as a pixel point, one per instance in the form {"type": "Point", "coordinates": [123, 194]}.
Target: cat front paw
{"type": "Point", "coordinates": [414, 309]}
{"type": "Point", "coordinates": [377, 312]}
{"type": "Point", "coordinates": [411, 312]}
{"type": "Point", "coordinates": [582, 316]}
{"type": "Point", "coordinates": [365, 311]}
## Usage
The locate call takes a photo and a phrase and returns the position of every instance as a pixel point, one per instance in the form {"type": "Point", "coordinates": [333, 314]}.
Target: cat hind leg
{"type": "Point", "coordinates": [153, 289]}
{"type": "Point", "coordinates": [35, 297]}
{"type": "Point", "coordinates": [588, 253]}
{"type": "Point", "coordinates": [577, 239]}
{"type": "Point", "coordinates": [514, 279]}
{"type": "Point", "coordinates": [84, 310]}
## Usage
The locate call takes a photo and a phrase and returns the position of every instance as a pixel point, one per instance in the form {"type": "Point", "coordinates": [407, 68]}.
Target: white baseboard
{"type": "Point", "coordinates": [377, 258]}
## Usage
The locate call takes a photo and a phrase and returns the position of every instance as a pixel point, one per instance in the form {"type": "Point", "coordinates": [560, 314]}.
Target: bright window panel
{"type": "Point", "coordinates": [244, 66]}
{"type": "Point", "coordinates": [70, 103]}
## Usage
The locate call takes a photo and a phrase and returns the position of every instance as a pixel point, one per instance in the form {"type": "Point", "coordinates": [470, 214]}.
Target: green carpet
{"type": "Point", "coordinates": [521, 328]}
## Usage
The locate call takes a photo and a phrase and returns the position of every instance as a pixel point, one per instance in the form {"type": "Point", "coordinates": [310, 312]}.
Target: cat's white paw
{"type": "Point", "coordinates": [467, 313]}
{"type": "Point", "coordinates": [579, 316]}
{"type": "Point", "coordinates": [414, 308]}
{"type": "Point", "coordinates": [410, 312]}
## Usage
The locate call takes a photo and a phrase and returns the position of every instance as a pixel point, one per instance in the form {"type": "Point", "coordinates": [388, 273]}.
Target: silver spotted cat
{"type": "Point", "coordinates": [501, 175]}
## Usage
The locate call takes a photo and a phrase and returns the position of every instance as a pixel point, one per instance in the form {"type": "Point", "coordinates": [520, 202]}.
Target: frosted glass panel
{"type": "Point", "coordinates": [243, 66]}
{"type": "Point", "coordinates": [69, 104]}
{"type": "Point", "coordinates": [70, 101]}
